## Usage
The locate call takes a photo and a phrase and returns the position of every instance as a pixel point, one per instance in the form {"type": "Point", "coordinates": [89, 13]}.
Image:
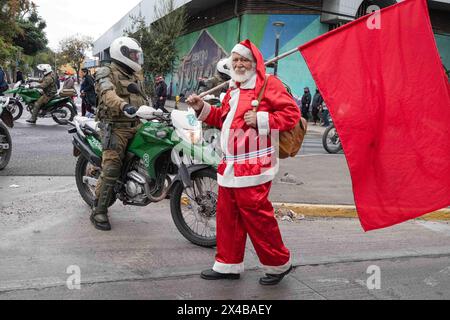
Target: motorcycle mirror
{"type": "Point", "coordinates": [133, 88]}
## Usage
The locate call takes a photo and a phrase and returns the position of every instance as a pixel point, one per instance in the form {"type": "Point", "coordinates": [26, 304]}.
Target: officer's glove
{"type": "Point", "coordinates": [130, 111]}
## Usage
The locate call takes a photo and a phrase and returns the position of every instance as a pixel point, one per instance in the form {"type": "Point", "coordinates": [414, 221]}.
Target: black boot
{"type": "Point", "coordinates": [34, 115]}
{"type": "Point", "coordinates": [100, 221]}
{"type": "Point", "coordinates": [213, 275]}
{"type": "Point", "coordinates": [99, 218]}
{"type": "Point", "coordinates": [273, 279]}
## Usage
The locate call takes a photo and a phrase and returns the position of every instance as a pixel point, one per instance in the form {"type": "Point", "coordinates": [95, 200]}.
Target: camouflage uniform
{"type": "Point", "coordinates": [117, 130]}
{"type": "Point", "coordinates": [212, 83]}
{"type": "Point", "coordinates": [48, 85]}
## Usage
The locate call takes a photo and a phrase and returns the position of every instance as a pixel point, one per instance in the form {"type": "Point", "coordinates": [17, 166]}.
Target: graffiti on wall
{"type": "Point", "coordinates": [200, 62]}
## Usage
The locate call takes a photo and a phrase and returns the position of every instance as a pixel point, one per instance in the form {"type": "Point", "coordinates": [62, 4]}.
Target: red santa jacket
{"type": "Point", "coordinates": [250, 155]}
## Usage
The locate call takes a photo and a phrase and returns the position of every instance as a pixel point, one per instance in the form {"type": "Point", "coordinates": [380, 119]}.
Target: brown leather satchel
{"type": "Point", "coordinates": [290, 141]}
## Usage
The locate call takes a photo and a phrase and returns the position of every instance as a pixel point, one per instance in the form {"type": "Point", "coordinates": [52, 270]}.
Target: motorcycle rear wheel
{"type": "Point", "coordinates": [202, 206]}
{"type": "Point", "coordinates": [331, 141]}
{"type": "Point", "coordinates": [5, 138]}
{"type": "Point", "coordinates": [85, 169]}
{"type": "Point", "coordinates": [64, 114]}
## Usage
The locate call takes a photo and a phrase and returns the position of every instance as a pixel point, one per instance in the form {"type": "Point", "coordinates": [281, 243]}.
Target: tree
{"type": "Point", "coordinates": [21, 32]}
{"type": "Point", "coordinates": [73, 51]}
{"type": "Point", "coordinates": [158, 39]}
{"type": "Point", "coordinates": [31, 37]}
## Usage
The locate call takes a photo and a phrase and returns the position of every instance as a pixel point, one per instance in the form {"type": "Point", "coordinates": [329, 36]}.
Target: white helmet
{"type": "Point", "coordinates": [45, 68]}
{"type": "Point", "coordinates": [127, 51]}
{"type": "Point", "coordinates": [223, 66]}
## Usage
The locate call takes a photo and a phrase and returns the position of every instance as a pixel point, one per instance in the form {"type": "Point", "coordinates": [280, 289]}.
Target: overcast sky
{"type": "Point", "coordinates": [86, 17]}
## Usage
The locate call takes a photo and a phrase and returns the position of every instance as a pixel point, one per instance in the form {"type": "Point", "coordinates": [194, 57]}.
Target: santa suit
{"type": "Point", "coordinates": [250, 164]}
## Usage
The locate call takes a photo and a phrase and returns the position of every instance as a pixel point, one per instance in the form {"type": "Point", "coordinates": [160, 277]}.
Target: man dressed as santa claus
{"type": "Point", "coordinates": [250, 163]}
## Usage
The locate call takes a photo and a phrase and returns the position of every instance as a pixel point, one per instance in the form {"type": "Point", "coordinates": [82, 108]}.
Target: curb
{"type": "Point", "coordinates": [341, 211]}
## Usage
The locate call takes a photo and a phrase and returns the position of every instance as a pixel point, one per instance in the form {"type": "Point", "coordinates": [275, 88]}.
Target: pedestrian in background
{"type": "Point", "coordinates": [316, 103]}
{"type": "Point", "coordinates": [69, 81]}
{"type": "Point", "coordinates": [325, 115]}
{"type": "Point", "coordinates": [306, 103]}
{"type": "Point", "coordinates": [88, 96]}
{"type": "Point", "coordinates": [19, 76]}
{"type": "Point", "coordinates": [161, 94]}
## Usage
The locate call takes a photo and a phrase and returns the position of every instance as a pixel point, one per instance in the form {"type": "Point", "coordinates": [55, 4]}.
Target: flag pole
{"type": "Point", "coordinates": [223, 85]}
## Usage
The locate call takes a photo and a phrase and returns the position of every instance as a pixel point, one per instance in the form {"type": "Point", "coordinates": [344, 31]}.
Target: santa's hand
{"type": "Point", "coordinates": [195, 102]}
{"type": "Point", "coordinates": [251, 119]}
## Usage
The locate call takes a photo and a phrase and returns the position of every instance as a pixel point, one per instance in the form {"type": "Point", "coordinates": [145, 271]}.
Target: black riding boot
{"type": "Point", "coordinates": [99, 215]}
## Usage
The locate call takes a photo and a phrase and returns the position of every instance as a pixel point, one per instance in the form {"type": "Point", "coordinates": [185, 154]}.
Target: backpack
{"type": "Point", "coordinates": [290, 141]}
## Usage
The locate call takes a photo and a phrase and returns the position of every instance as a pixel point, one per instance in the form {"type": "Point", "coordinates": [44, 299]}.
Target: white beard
{"type": "Point", "coordinates": [241, 78]}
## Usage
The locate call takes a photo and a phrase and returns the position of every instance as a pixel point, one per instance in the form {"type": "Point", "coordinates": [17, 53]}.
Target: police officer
{"type": "Point", "coordinates": [116, 108]}
{"type": "Point", "coordinates": [222, 75]}
{"type": "Point", "coordinates": [48, 85]}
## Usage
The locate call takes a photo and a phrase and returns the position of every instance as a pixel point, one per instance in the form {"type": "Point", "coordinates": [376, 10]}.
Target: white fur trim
{"type": "Point", "coordinates": [263, 123]}
{"type": "Point", "coordinates": [228, 268]}
{"type": "Point", "coordinates": [277, 269]}
{"type": "Point", "coordinates": [249, 84]}
{"type": "Point", "coordinates": [205, 112]}
{"type": "Point", "coordinates": [229, 180]}
{"type": "Point", "coordinates": [225, 135]}
{"type": "Point", "coordinates": [243, 51]}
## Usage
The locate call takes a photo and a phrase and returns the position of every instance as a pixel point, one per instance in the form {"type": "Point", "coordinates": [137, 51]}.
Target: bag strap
{"type": "Point", "coordinates": [261, 93]}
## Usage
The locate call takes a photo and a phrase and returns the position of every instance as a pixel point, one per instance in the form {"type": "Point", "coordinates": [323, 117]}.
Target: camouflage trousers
{"type": "Point", "coordinates": [114, 150]}
{"type": "Point", "coordinates": [42, 101]}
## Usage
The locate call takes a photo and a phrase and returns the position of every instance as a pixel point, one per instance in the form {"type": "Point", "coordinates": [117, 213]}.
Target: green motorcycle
{"type": "Point", "coordinates": [5, 137]}
{"type": "Point", "coordinates": [61, 109]}
{"type": "Point", "coordinates": [167, 158]}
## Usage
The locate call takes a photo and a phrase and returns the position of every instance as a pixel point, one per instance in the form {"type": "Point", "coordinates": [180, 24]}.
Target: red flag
{"type": "Point", "coordinates": [390, 102]}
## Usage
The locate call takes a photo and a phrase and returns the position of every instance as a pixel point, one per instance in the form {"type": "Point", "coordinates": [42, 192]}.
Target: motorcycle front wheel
{"type": "Point", "coordinates": [194, 209]}
{"type": "Point", "coordinates": [331, 141]}
{"type": "Point", "coordinates": [64, 114]}
{"type": "Point", "coordinates": [5, 146]}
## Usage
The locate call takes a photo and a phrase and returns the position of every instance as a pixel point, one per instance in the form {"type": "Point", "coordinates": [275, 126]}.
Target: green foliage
{"type": "Point", "coordinates": [158, 39]}
{"type": "Point", "coordinates": [21, 31]}
{"type": "Point", "coordinates": [73, 51]}
{"type": "Point", "coordinates": [32, 38]}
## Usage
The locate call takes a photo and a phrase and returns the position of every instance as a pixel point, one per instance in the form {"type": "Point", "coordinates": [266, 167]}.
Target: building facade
{"type": "Point", "coordinates": [215, 26]}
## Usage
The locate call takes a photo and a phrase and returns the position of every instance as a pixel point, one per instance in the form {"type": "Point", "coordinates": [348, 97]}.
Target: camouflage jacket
{"type": "Point", "coordinates": [111, 83]}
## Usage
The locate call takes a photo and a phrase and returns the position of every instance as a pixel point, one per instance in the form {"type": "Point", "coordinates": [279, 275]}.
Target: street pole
{"type": "Point", "coordinates": [278, 28]}
{"type": "Point", "coordinates": [277, 49]}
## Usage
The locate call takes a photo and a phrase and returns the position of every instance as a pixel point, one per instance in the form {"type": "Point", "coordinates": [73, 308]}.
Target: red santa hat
{"type": "Point", "coordinates": [248, 50]}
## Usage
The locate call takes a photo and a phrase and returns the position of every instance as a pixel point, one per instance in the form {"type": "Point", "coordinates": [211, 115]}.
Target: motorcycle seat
{"type": "Point", "coordinates": [88, 123]}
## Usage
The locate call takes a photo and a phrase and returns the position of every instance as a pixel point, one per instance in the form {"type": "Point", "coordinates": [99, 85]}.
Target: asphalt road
{"type": "Point", "coordinates": [314, 176]}
{"type": "Point", "coordinates": [45, 235]}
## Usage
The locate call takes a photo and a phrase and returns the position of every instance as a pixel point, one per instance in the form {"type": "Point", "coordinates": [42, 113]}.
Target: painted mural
{"type": "Point", "coordinates": [258, 28]}
{"type": "Point", "coordinates": [200, 62]}
{"type": "Point", "coordinates": [202, 49]}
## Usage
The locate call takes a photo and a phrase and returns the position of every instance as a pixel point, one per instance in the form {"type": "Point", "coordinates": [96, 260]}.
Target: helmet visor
{"type": "Point", "coordinates": [136, 56]}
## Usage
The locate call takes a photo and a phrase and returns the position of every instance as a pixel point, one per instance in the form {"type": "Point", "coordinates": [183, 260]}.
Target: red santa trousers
{"type": "Point", "coordinates": [242, 211]}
